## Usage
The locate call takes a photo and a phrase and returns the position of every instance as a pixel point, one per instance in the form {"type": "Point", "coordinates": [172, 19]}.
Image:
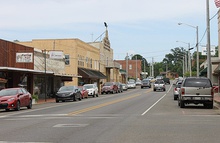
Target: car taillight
{"type": "Point", "coordinates": [212, 91]}
{"type": "Point", "coordinates": [112, 87]}
{"type": "Point", "coordinates": [175, 89]}
{"type": "Point", "coordinates": [182, 91]}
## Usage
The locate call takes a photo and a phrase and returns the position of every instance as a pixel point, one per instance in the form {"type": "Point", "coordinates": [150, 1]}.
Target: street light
{"type": "Point", "coordinates": [189, 57]}
{"type": "Point", "coordinates": [197, 46]}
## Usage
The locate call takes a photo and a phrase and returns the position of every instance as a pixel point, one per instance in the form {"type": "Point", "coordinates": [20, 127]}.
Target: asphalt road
{"type": "Point", "coordinates": [134, 116]}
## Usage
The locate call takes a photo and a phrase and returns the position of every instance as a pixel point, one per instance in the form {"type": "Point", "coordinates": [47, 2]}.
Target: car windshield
{"type": "Point", "coordinates": [159, 81]}
{"type": "Point", "coordinates": [88, 86]}
{"type": "Point", "coordinates": [8, 92]}
{"type": "Point", "coordinates": [197, 83]}
{"type": "Point", "coordinates": [108, 84]}
{"type": "Point", "coordinates": [145, 80]}
{"type": "Point", "coordinates": [67, 88]}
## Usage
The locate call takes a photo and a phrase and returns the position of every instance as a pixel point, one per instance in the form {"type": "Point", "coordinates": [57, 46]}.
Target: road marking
{"type": "Point", "coordinates": [22, 142]}
{"type": "Point", "coordinates": [153, 105]}
{"type": "Point", "coordinates": [71, 125]}
{"type": "Point", "coordinates": [101, 105]}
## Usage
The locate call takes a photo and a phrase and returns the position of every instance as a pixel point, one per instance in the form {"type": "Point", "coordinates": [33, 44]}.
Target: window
{"type": "Point", "coordinates": [67, 59]}
{"type": "Point", "coordinates": [130, 67]}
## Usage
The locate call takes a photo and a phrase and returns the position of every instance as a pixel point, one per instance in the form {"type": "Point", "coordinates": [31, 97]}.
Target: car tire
{"type": "Point", "coordinates": [93, 95]}
{"type": "Point", "coordinates": [182, 104]}
{"type": "Point", "coordinates": [30, 104]}
{"type": "Point", "coordinates": [175, 98]}
{"type": "Point", "coordinates": [18, 106]}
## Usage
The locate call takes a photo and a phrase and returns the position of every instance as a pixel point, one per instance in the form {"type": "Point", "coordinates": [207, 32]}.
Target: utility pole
{"type": "Point", "coordinates": [152, 67]}
{"type": "Point", "coordinates": [209, 67]}
{"type": "Point", "coordinates": [127, 68]}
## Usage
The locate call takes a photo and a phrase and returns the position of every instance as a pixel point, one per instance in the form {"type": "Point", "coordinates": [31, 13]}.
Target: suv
{"type": "Point", "coordinates": [109, 87]}
{"type": "Point", "coordinates": [145, 83]}
{"type": "Point", "coordinates": [197, 90]}
{"type": "Point", "coordinates": [92, 90]}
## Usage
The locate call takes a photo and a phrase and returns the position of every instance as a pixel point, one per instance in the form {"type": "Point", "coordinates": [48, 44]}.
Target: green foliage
{"type": "Point", "coordinates": [35, 97]}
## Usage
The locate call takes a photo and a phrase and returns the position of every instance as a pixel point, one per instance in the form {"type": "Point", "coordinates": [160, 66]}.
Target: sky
{"type": "Point", "coordinates": [146, 27]}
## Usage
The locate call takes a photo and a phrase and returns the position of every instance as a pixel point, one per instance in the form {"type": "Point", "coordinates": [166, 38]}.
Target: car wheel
{"type": "Point", "coordinates": [154, 89]}
{"type": "Point", "coordinates": [30, 104]}
{"type": "Point", "coordinates": [18, 106]}
{"type": "Point", "coordinates": [182, 104]}
{"type": "Point", "coordinates": [175, 98]}
{"type": "Point", "coordinates": [93, 95]}
{"type": "Point", "coordinates": [80, 98]}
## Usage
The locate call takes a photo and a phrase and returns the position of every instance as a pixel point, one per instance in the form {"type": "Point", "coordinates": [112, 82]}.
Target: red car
{"type": "Point", "coordinates": [83, 91]}
{"type": "Point", "coordinates": [15, 98]}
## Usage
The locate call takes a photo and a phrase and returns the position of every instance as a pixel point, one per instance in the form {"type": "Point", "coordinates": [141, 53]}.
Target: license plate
{"type": "Point", "coordinates": [197, 98]}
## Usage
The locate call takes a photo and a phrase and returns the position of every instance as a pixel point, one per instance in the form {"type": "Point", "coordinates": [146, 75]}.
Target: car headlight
{"type": "Point", "coordinates": [11, 99]}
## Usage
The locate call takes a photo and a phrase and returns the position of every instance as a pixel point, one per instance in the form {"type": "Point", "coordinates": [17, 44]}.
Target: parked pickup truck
{"type": "Point", "coordinates": [159, 85]}
{"type": "Point", "coordinates": [196, 90]}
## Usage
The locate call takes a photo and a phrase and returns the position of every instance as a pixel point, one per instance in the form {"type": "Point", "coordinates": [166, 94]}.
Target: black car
{"type": "Point", "coordinates": [166, 80]}
{"type": "Point", "coordinates": [68, 93]}
{"type": "Point", "coordinates": [145, 83]}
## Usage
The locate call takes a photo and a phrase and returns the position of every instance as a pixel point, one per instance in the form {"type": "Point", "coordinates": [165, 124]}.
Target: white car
{"type": "Point", "coordinates": [131, 85]}
{"type": "Point", "coordinates": [92, 90]}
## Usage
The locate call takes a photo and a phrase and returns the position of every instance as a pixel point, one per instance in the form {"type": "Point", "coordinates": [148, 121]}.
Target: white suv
{"type": "Point", "coordinates": [92, 89]}
{"type": "Point", "coordinates": [196, 90]}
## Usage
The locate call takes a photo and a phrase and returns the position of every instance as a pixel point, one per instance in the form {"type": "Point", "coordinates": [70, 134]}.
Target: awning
{"type": "Point", "coordinates": [87, 73]}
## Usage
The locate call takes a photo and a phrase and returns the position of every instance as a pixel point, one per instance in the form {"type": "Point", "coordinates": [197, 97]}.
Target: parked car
{"type": "Point", "coordinates": [15, 98]}
{"type": "Point", "coordinates": [166, 80]}
{"type": "Point", "coordinates": [138, 82]}
{"type": "Point", "coordinates": [83, 91]}
{"type": "Point", "coordinates": [120, 88]}
{"type": "Point", "coordinates": [196, 90]}
{"type": "Point", "coordinates": [145, 83]}
{"type": "Point", "coordinates": [109, 87]}
{"type": "Point", "coordinates": [92, 90]}
{"type": "Point", "coordinates": [159, 85]}
{"type": "Point", "coordinates": [176, 90]}
{"type": "Point", "coordinates": [124, 86]}
{"type": "Point", "coordinates": [131, 85]}
{"type": "Point", "coordinates": [68, 93]}
{"type": "Point", "coordinates": [159, 77]}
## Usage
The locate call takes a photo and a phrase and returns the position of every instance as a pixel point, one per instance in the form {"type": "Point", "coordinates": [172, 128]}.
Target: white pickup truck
{"type": "Point", "coordinates": [159, 85]}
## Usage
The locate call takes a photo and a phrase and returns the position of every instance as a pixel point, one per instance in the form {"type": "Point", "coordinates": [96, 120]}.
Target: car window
{"type": "Point", "coordinates": [197, 83]}
{"type": "Point", "coordinates": [108, 84]}
{"type": "Point", "coordinates": [66, 88]}
{"type": "Point", "coordinates": [159, 81]}
{"type": "Point", "coordinates": [8, 92]}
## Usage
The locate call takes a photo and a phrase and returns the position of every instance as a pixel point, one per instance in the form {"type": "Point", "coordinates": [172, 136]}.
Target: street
{"type": "Point", "coordinates": [134, 116]}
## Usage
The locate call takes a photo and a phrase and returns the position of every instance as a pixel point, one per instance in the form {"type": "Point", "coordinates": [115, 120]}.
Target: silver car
{"type": "Point", "coordinates": [176, 90]}
{"type": "Point", "coordinates": [196, 90]}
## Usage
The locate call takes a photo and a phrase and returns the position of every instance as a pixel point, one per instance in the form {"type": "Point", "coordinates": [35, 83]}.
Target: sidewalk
{"type": "Point", "coordinates": [217, 99]}
{"type": "Point", "coordinates": [48, 100]}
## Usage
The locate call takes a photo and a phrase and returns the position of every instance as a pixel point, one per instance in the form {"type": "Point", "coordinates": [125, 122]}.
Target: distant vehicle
{"type": "Point", "coordinates": [176, 90]}
{"type": "Point", "coordinates": [131, 85]}
{"type": "Point", "coordinates": [196, 90]}
{"type": "Point", "coordinates": [92, 90]}
{"type": "Point", "coordinates": [109, 87]}
{"type": "Point", "coordinates": [84, 92]}
{"type": "Point", "coordinates": [146, 83]}
{"type": "Point", "coordinates": [138, 82]}
{"type": "Point", "coordinates": [166, 80]}
{"type": "Point", "coordinates": [159, 77]}
{"type": "Point", "coordinates": [68, 93]}
{"type": "Point", "coordinates": [124, 86]}
{"type": "Point", "coordinates": [120, 88]}
{"type": "Point", "coordinates": [159, 85]}
{"type": "Point", "coordinates": [152, 79]}
{"type": "Point", "coordinates": [15, 98]}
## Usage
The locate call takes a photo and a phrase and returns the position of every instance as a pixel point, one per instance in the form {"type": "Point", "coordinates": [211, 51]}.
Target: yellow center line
{"type": "Point", "coordinates": [101, 105]}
